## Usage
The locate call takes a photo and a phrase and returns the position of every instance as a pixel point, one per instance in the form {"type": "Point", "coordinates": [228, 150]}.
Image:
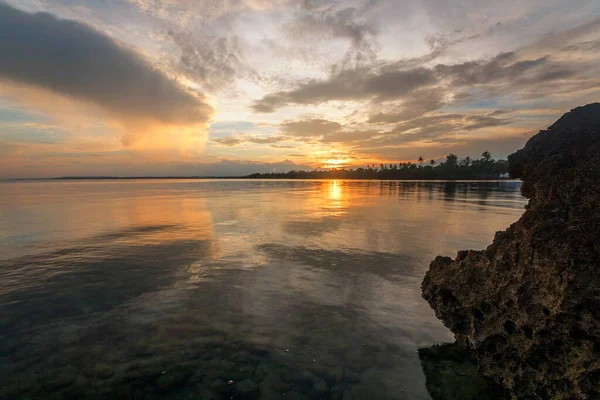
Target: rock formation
{"type": "Point", "coordinates": [528, 306]}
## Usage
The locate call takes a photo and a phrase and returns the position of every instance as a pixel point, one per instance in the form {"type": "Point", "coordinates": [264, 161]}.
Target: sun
{"type": "Point", "coordinates": [335, 162]}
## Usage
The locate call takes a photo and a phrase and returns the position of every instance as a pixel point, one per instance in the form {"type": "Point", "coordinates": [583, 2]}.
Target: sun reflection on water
{"type": "Point", "coordinates": [337, 198]}
{"type": "Point", "coordinates": [335, 191]}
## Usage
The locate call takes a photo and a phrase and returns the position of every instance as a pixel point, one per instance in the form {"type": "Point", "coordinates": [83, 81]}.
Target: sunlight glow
{"type": "Point", "coordinates": [335, 191]}
{"type": "Point", "coordinates": [337, 198]}
{"type": "Point", "coordinates": [333, 163]}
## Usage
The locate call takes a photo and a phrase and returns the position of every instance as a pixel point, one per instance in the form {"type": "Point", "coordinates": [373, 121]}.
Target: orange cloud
{"type": "Point", "coordinates": [86, 80]}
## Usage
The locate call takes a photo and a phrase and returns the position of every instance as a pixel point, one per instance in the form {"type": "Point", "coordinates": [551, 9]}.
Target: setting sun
{"type": "Point", "coordinates": [333, 163]}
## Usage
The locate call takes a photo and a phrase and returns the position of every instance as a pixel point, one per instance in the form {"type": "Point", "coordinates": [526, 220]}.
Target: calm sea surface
{"type": "Point", "coordinates": [208, 289]}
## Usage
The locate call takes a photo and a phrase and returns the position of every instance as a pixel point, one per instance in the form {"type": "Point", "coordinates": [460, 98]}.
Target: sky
{"type": "Point", "coordinates": [233, 87]}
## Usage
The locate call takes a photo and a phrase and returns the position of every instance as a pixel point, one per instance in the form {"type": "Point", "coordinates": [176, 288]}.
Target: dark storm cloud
{"type": "Point", "coordinates": [74, 60]}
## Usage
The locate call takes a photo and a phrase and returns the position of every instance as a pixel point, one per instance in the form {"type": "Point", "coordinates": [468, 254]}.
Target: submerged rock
{"type": "Point", "coordinates": [247, 389]}
{"type": "Point", "coordinates": [174, 378]}
{"type": "Point", "coordinates": [451, 374]}
{"type": "Point", "coordinates": [528, 307]}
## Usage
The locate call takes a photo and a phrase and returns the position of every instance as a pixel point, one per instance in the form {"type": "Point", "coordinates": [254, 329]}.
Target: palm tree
{"type": "Point", "coordinates": [421, 159]}
{"type": "Point", "coordinates": [432, 162]}
{"type": "Point", "coordinates": [451, 160]}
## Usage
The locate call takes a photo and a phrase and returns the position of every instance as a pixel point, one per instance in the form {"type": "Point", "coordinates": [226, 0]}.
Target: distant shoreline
{"type": "Point", "coordinates": [453, 169]}
{"type": "Point", "coordinates": [99, 178]}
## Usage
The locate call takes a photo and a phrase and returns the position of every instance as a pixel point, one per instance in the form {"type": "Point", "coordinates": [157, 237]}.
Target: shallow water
{"type": "Point", "coordinates": [201, 289]}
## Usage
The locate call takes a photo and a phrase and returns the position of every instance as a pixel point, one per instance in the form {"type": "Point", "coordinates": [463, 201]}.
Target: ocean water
{"type": "Point", "coordinates": [221, 289]}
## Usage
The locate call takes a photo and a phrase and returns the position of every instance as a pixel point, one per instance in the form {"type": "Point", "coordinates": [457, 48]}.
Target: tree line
{"type": "Point", "coordinates": [451, 168]}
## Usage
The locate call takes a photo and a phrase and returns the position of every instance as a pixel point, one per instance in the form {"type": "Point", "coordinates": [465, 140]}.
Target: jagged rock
{"type": "Point", "coordinates": [528, 306]}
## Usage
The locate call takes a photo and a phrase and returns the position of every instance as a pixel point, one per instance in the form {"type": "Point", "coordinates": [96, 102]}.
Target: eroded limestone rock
{"type": "Point", "coordinates": [529, 305]}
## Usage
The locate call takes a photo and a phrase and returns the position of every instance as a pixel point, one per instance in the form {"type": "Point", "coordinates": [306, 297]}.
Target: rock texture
{"type": "Point", "coordinates": [529, 305]}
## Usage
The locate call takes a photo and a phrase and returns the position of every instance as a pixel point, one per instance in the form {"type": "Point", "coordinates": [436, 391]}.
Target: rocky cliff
{"type": "Point", "coordinates": [528, 306]}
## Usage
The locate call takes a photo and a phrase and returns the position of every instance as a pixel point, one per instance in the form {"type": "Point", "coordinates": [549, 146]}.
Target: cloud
{"type": "Point", "coordinates": [564, 39]}
{"type": "Point", "coordinates": [355, 80]}
{"type": "Point", "coordinates": [504, 68]}
{"type": "Point", "coordinates": [266, 140]}
{"type": "Point", "coordinates": [349, 136]}
{"type": "Point", "coordinates": [328, 22]}
{"type": "Point", "coordinates": [240, 167]}
{"type": "Point", "coordinates": [518, 72]}
{"type": "Point", "coordinates": [213, 62]}
{"type": "Point", "coordinates": [46, 165]}
{"type": "Point", "coordinates": [238, 140]}
{"type": "Point", "coordinates": [391, 82]}
{"type": "Point", "coordinates": [425, 128]}
{"type": "Point", "coordinates": [474, 122]}
{"type": "Point", "coordinates": [434, 128]}
{"type": "Point", "coordinates": [499, 145]}
{"type": "Point", "coordinates": [309, 127]}
{"type": "Point", "coordinates": [397, 83]}
{"type": "Point", "coordinates": [413, 106]}
{"type": "Point", "coordinates": [43, 57]}
{"type": "Point", "coordinates": [353, 85]}
{"type": "Point", "coordinates": [428, 135]}
{"type": "Point", "coordinates": [590, 47]}
{"type": "Point", "coordinates": [191, 12]}
{"type": "Point", "coordinates": [228, 141]}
